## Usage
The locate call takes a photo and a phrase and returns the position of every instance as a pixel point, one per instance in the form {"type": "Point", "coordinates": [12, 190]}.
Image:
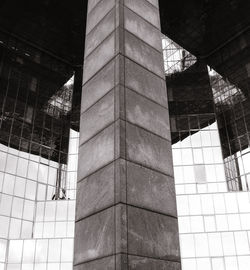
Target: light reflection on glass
{"type": "Point", "coordinates": [38, 161]}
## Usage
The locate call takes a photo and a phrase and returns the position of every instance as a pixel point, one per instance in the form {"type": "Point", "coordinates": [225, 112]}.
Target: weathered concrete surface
{"type": "Point", "coordinates": [150, 87]}
{"type": "Point", "coordinates": [147, 149]}
{"type": "Point", "coordinates": [147, 114]}
{"type": "Point", "coordinates": [96, 153]}
{"type": "Point", "coordinates": [125, 209]}
{"type": "Point", "coordinates": [150, 190]}
{"type": "Point", "coordinates": [96, 192]}
{"type": "Point", "coordinates": [143, 54]}
{"type": "Point", "coordinates": [98, 117]}
{"type": "Point", "coordinates": [94, 237]}
{"type": "Point", "coordinates": [152, 235]}
{"type": "Point", "coordinates": [144, 263]}
{"type": "Point", "coordinates": [98, 86]}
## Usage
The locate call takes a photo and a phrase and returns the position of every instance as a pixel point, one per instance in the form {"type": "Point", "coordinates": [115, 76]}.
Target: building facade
{"type": "Point", "coordinates": [143, 161]}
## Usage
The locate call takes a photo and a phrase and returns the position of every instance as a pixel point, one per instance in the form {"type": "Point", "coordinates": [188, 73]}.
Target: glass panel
{"type": "Point", "coordinates": [11, 164]}
{"type": "Point", "coordinates": [41, 250]}
{"type": "Point", "coordinates": [15, 228]}
{"type": "Point", "coordinates": [28, 212]}
{"type": "Point", "coordinates": [67, 250]}
{"type": "Point", "coordinates": [19, 186]}
{"type": "Point", "coordinates": [9, 181]}
{"type": "Point", "coordinates": [28, 251]}
{"type": "Point", "coordinates": [41, 192]}
{"type": "Point", "coordinates": [5, 205]}
{"type": "Point", "coordinates": [3, 247]}
{"type": "Point", "coordinates": [30, 192]}
{"type": "Point", "coordinates": [22, 167]}
{"type": "Point", "coordinates": [54, 250]}
{"type": "Point", "coordinates": [15, 251]}
{"type": "Point", "coordinates": [17, 207]}
{"type": "Point", "coordinates": [27, 229]}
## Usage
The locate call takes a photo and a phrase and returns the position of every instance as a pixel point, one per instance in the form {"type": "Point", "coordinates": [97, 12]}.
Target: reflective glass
{"type": "Point", "coordinates": [22, 167]}
{"type": "Point", "coordinates": [54, 250]}
{"type": "Point", "coordinates": [9, 182]}
{"type": "Point", "coordinates": [3, 247]}
{"type": "Point", "coordinates": [5, 206]}
{"type": "Point", "coordinates": [28, 251]}
{"type": "Point", "coordinates": [27, 229]}
{"type": "Point", "coordinates": [15, 228]}
{"type": "Point", "coordinates": [30, 192]}
{"type": "Point", "coordinates": [19, 187]}
{"type": "Point", "coordinates": [41, 192]}
{"type": "Point", "coordinates": [28, 211]}
{"type": "Point", "coordinates": [3, 157]}
{"type": "Point", "coordinates": [41, 250]}
{"type": "Point", "coordinates": [15, 251]}
{"type": "Point", "coordinates": [11, 164]}
{"type": "Point", "coordinates": [17, 207]}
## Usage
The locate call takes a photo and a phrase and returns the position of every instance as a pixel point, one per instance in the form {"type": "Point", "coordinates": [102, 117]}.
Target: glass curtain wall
{"type": "Point", "coordinates": [38, 159]}
{"type": "Point", "coordinates": [209, 117]}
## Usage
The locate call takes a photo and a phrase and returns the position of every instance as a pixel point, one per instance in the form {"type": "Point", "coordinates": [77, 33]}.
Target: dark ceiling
{"type": "Point", "coordinates": [203, 26]}
{"type": "Point", "coordinates": [56, 26]}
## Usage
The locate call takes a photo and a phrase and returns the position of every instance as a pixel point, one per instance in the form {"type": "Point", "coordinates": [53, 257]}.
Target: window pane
{"type": "Point", "coordinates": [17, 207]}
{"type": "Point", "coordinates": [30, 192]}
{"type": "Point", "coordinates": [28, 251]}
{"type": "Point", "coordinates": [15, 228]}
{"type": "Point", "coordinates": [29, 207]}
{"type": "Point", "coordinates": [15, 251]}
{"type": "Point", "coordinates": [19, 187]}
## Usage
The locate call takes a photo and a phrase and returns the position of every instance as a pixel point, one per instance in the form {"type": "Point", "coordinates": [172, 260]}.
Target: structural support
{"type": "Point", "coordinates": [126, 210]}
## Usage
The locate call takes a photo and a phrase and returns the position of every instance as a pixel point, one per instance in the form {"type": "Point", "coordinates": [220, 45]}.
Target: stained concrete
{"type": "Point", "coordinates": [96, 153]}
{"type": "Point", "coordinates": [98, 86]}
{"type": "Point", "coordinates": [142, 29]}
{"type": "Point", "coordinates": [148, 149]}
{"type": "Point", "coordinates": [98, 12]}
{"type": "Point", "coordinates": [144, 263]}
{"type": "Point", "coordinates": [107, 263]}
{"type": "Point", "coordinates": [145, 10]}
{"type": "Point", "coordinates": [103, 53]}
{"type": "Point", "coordinates": [151, 86]}
{"type": "Point", "coordinates": [147, 114]}
{"type": "Point", "coordinates": [97, 117]}
{"type": "Point", "coordinates": [99, 33]}
{"type": "Point", "coordinates": [96, 192]}
{"type": "Point", "coordinates": [151, 190]}
{"type": "Point", "coordinates": [143, 54]}
{"type": "Point", "coordinates": [94, 237]}
{"type": "Point", "coordinates": [152, 235]}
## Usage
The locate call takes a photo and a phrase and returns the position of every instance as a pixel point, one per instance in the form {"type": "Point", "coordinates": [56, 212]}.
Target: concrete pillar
{"type": "Point", "coordinates": [126, 210]}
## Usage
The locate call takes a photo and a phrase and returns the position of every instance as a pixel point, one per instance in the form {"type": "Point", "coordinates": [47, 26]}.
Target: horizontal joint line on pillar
{"type": "Point", "coordinates": [125, 204]}
{"type": "Point", "coordinates": [99, 45]}
{"type": "Point", "coordinates": [152, 5]}
{"type": "Point", "coordinates": [85, 56]}
{"type": "Point", "coordinates": [112, 59]}
{"type": "Point", "coordinates": [88, 13]}
{"type": "Point", "coordinates": [162, 78]}
{"type": "Point", "coordinates": [158, 51]}
{"type": "Point", "coordinates": [131, 161]}
{"type": "Point", "coordinates": [98, 132]}
{"type": "Point", "coordinates": [130, 254]}
{"type": "Point", "coordinates": [143, 17]}
{"type": "Point", "coordinates": [148, 98]}
{"type": "Point", "coordinates": [92, 105]}
{"type": "Point", "coordinates": [127, 121]}
{"type": "Point", "coordinates": [100, 21]}
{"type": "Point", "coordinates": [147, 130]}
